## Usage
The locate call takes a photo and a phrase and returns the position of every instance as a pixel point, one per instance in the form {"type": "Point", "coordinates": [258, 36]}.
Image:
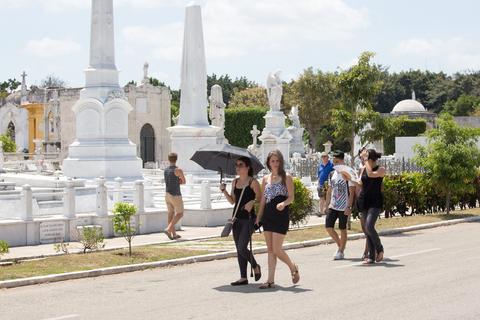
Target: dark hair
{"type": "Point", "coordinates": [172, 157]}
{"type": "Point", "coordinates": [281, 168]}
{"type": "Point", "coordinates": [361, 150]}
{"type": "Point", "coordinates": [373, 155]}
{"type": "Point", "coordinates": [248, 164]}
{"type": "Point", "coordinates": [339, 154]}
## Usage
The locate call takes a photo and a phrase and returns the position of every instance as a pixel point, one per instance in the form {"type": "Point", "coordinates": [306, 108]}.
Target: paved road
{"type": "Point", "coordinates": [432, 274]}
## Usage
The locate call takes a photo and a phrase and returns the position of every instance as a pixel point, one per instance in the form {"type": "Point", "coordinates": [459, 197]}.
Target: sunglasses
{"type": "Point", "coordinates": [240, 165]}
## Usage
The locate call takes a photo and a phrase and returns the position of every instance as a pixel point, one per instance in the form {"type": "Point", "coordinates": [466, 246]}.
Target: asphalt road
{"type": "Point", "coordinates": [431, 274]}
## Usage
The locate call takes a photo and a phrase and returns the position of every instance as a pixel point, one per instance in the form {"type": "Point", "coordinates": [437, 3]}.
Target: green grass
{"type": "Point", "coordinates": [93, 260]}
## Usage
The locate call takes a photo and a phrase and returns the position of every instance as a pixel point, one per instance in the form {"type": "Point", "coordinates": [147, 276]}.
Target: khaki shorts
{"type": "Point", "coordinates": [174, 203]}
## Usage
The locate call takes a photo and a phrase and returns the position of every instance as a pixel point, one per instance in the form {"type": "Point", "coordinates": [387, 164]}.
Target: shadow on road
{"type": "Point", "coordinates": [386, 263]}
{"type": "Point", "coordinates": [253, 288]}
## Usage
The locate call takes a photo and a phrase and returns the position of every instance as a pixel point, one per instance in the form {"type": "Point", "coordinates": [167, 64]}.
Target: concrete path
{"type": "Point", "coordinates": [187, 233]}
{"type": "Point", "coordinates": [429, 274]}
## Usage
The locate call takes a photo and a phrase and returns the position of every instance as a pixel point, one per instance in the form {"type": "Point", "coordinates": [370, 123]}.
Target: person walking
{"type": "Point", "coordinates": [358, 190]}
{"type": "Point", "coordinates": [372, 198]}
{"type": "Point", "coordinates": [173, 197]}
{"type": "Point", "coordinates": [324, 169]}
{"type": "Point", "coordinates": [245, 192]}
{"type": "Point", "coordinates": [340, 194]}
{"type": "Point", "coordinates": [278, 194]}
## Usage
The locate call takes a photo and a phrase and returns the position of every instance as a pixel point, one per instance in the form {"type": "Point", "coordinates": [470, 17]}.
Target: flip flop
{"type": "Point", "coordinates": [169, 235]}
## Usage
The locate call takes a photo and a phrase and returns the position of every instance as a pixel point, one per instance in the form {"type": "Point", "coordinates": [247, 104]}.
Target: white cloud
{"type": "Point", "coordinates": [50, 48]}
{"type": "Point", "coordinates": [453, 54]}
{"type": "Point", "coordinates": [65, 5]}
{"type": "Point", "coordinates": [234, 29]}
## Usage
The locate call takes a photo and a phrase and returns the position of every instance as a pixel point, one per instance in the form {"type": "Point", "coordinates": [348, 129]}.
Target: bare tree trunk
{"type": "Point", "coordinates": [448, 201]}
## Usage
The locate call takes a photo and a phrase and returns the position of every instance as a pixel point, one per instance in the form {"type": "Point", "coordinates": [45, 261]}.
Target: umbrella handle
{"type": "Point", "coordinates": [221, 175]}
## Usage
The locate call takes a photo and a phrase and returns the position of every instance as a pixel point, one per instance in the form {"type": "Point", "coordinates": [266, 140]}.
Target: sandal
{"type": "Point", "coordinates": [379, 256]}
{"type": "Point", "coordinates": [368, 261]}
{"type": "Point", "coordinates": [267, 285]}
{"type": "Point", "coordinates": [169, 235]}
{"type": "Point", "coordinates": [239, 283]}
{"type": "Point", "coordinates": [295, 275]}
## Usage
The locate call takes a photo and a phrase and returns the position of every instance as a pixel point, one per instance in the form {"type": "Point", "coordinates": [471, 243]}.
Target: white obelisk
{"type": "Point", "coordinates": [193, 130]}
{"type": "Point", "coordinates": [102, 147]}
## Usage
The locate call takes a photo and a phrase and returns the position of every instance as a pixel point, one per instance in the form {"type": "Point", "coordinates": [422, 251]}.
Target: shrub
{"type": "Point", "coordinates": [8, 144]}
{"type": "Point", "coordinates": [239, 122]}
{"type": "Point", "coordinates": [61, 247]}
{"type": "Point", "coordinates": [91, 238]}
{"type": "Point", "coordinates": [302, 205]}
{"type": "Point", "coordinates": [122, 222]}
{"type": "Point", "coordinates": [3, 247]}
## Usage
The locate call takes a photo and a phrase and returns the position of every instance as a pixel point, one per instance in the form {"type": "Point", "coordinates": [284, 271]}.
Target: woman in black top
{"type": "Point", "coordinates": [371, 180]}
{"type": "Point", "coordinates": [243, 226]}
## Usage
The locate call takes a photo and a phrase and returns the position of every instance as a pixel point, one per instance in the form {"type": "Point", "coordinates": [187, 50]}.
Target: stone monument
{"type": "Point", "coordinates": [217, 111]}
{"type": "Point", "coordinates": [296, 131]}
{"type": "Point", "coordinates": [192, 130]}
{"type": "Point", "coordinates": [101, 146]}
{"type": "Point", "coordinates": [274, 135]}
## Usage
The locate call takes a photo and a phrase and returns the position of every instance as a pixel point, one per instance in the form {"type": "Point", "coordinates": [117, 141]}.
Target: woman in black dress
{"type": "Point", "coordinates": [243, 226]}
{"type": "Point", "coordinates": [278, 193]}
{"type": "Point", "coordinates": [372, 180]}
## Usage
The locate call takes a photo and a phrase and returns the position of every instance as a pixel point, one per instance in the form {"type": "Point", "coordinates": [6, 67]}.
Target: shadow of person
{"type": "Point", "coordinates": [254, 288]}
{"type": "Point", "coordinates": [386, 263]}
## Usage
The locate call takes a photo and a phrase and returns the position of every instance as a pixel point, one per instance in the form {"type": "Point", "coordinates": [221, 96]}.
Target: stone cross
{"type": "Point", "coordinates": [254, 132]}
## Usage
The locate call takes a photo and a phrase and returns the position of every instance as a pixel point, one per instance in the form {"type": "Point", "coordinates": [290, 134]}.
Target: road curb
{"type": "Point", "coordinates": [8, 284]}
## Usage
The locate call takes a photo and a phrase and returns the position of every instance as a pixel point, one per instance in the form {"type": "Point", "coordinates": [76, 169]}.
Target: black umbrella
{"type": "Point", "coordinates": [219, 157]}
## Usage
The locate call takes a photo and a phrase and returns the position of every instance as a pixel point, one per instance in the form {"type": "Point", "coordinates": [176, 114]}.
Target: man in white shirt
{"type": "Point", "coordinates": [340, 195]}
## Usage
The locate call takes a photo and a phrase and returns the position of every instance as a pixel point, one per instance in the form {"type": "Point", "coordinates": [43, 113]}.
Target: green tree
{"type": "Point", "coordinates": [315, 94]}
{"type": "Point", "coordinates": [123, 213]}
{"type": "Point", "coordinates": [8, 144]}
{"type": "Point", "coordinates": [7, 87]}
{"type": "Point", "coordinates": [358, 87]}
{"type": "Point", "coordinates": [451, 158]}
{"type": "Point", "coordinates": [250, 97]}
{"type": "Point", "coordinates": [465, 105]}
{"type": "Point", "coordinates": [228, 85]}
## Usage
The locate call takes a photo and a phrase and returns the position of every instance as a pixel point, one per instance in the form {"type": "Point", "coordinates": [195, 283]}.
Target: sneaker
{"type": "Point", "coordinates": [338, 255]}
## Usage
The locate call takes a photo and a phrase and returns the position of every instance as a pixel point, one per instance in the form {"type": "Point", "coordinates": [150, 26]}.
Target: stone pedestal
{"type": "Point", "coordinates": [296, 145]}
{"type": "Point", "coordinates": [186, 140]}
{"type": "Point", "coordinates": [274, 135]}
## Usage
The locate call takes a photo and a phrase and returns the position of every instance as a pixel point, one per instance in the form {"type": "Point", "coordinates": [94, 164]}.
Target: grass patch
{"type": "Point", "coordinates": [93, 260]}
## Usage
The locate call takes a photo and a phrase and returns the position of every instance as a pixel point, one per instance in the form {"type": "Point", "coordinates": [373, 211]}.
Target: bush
{"type": "Point", "coordinates": [302, 205]}
{"type": "Point", "coordinates": [239, 122]}
{"type": "Point", "coordinates": [3, 247]}
{"type": "Point", "coordinates": [409, 128]}
{"type": "Point", "coordinates": [122, 217]}
{"type": "Point", "coordinates": [8, 144]}
{"type": "Point", "coordinates": [91, 238]}
{"type": "Point", "coordinates": [414, 193]}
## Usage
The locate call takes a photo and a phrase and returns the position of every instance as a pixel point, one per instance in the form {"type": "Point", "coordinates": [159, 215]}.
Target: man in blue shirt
{"type": "Point", "coordinates": [324, 169]}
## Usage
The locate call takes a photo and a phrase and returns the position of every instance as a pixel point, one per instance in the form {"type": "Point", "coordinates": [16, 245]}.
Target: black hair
{"type": "Point", "coordinates": [339, 155]}
{"type": "Point", "coordinates": [361, 150]}
{"type": "Point", "coordinates": [373, 155]}
{"type": "Point", "coordinates": [248, 164]}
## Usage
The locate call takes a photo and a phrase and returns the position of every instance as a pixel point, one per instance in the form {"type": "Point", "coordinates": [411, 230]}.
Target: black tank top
{"type": "Point", "coordinates": [372, 190]}
{"type": "Point", "coordinates": [248, 195]}
{"type": "Point", "coordinates": [172, 182]}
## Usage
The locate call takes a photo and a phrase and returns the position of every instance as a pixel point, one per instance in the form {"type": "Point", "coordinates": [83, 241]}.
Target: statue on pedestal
{"type": "Point", "coordinates": [274, 90]}
{"type": "Point", "coordinates": [217, 107]}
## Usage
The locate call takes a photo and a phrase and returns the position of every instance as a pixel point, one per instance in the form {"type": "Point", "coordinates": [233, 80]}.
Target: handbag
{"type": "Point", "coordinates": [229, 225]}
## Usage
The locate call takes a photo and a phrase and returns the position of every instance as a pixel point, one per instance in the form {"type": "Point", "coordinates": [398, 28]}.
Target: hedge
{"type": "Point", "coordinates": [409, 128]}
{"type": "Point", "coordinates": [239, 122]}
{"type": "Point", "coordinates": [413, 193]}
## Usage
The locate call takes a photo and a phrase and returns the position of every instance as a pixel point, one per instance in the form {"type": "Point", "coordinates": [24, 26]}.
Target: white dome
{"type": "Point", "coordinates": [408, 105]}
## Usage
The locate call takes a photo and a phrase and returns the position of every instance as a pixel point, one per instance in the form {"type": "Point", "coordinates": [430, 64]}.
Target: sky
{"type": "Point", "coordinates": [242, 37]}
